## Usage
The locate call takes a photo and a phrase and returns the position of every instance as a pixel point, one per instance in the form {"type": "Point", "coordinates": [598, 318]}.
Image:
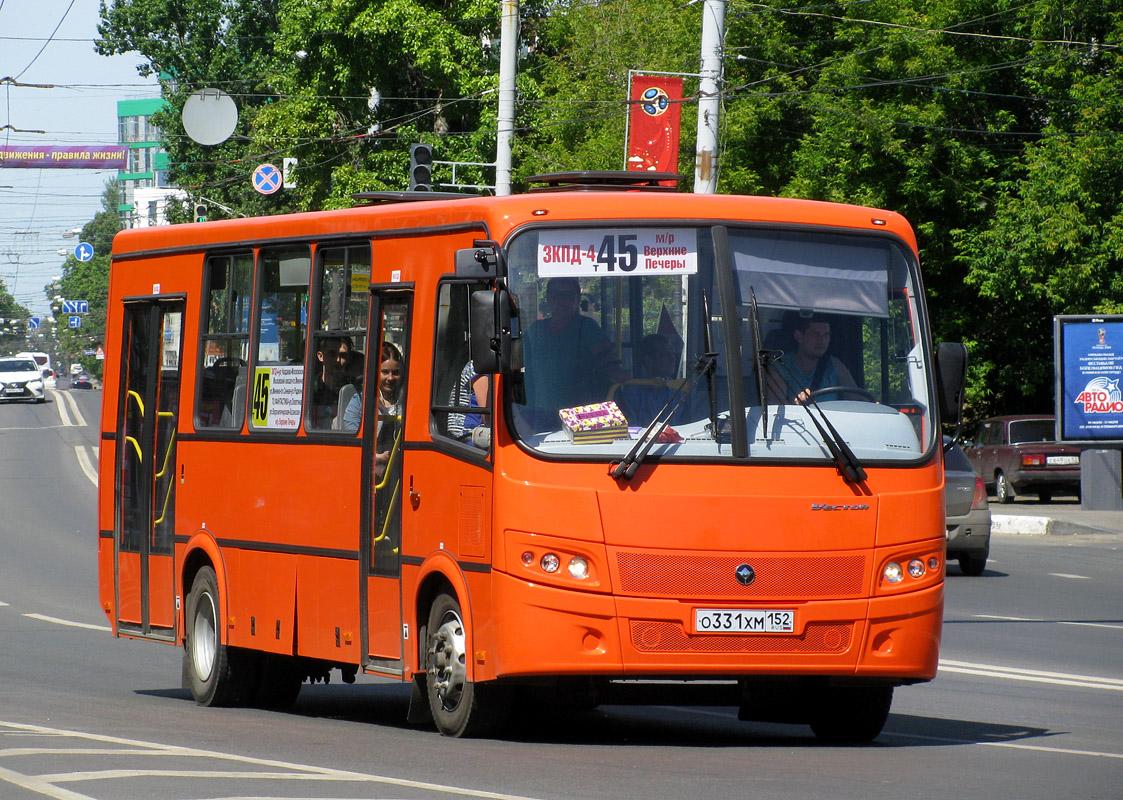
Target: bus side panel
{"type": "Point", "coordinates": [286, 516]}
{"type": "Point", "coordinates": [327, 609]}
{"type": "Point", "coordinates": [259, 608]}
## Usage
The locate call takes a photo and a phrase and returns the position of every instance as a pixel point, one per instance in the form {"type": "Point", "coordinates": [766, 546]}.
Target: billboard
{"type": "Point", "coordinates": [1088, 365]}
{"type": "Point", "coordinates": [103, 156]}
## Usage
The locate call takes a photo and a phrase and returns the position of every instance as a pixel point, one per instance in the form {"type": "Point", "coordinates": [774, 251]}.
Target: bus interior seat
{"type": "Point", "coordinates": [345, 394]}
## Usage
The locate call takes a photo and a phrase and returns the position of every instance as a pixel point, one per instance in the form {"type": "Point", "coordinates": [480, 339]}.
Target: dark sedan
{"type": "Point", "coordinates": [81, 382]}
{"type": "Point", "coordinates": [968, 514]}
{"type": "Point", "coordinates": [1019, 455]}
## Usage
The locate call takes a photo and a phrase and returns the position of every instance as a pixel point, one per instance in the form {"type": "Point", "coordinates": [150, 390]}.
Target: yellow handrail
{"type": "Point", "coordinates": [139, 401]}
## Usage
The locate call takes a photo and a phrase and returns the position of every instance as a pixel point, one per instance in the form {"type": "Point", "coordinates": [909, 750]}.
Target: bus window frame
{"type": "Point", "coordinates": [440, 406]}
{"type": "Point", "coordinates": [313, 331]}
{"type": "Point", "coordinates": [209, 256]}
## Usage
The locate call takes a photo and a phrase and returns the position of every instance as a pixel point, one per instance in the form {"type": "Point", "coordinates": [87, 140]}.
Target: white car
{"type": "Point", "coordinates": [21, 379]}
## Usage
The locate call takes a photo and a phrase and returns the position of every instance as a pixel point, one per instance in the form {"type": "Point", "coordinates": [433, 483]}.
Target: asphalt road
{"type": "Point", "coordinates": [1028, 703]}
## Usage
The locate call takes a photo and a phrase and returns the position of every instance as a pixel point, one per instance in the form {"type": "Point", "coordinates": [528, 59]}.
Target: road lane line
{"type": "Point", "coordinates": [33, 783]}
{"type": "Point", "coordinates": [1011, 745]}
{"type": "Point", "coordinates": [1093, 625]}
{"type": "Point", "coordinates": [1033, 675]}
{"type": "Point", "coordinates": [67, 622]}
{"type": "Point", "coordinates": [297, 771]}
{"type": "Point", "coordinates": [1007, 619]}
{"type": "Point", "coordinates": [60, 407]}
{"type": "Point", "coordinates": [85, 463]}
{"type": "Point", "coordinates": [1071, 577]}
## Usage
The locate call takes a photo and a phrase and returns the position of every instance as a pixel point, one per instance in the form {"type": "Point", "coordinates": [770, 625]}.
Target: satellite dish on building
{"type": "Point", "coordinates": [210, 116]}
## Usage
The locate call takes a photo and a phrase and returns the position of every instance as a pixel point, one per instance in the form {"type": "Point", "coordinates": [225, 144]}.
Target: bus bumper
{"type": "Point", "coordinates": [542, 630]}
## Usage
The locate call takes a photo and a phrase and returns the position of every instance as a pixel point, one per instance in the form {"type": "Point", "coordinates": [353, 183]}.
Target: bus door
{"type": "Point", "coordinates": [382, 490]}
{"type": "Point", "coordinates": [148, 411]}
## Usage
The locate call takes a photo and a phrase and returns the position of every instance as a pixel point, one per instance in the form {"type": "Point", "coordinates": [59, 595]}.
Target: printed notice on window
{"type": "Point", "coordinates": [276, 397]}
{"type": "Point", "coordinates": [617, 252]}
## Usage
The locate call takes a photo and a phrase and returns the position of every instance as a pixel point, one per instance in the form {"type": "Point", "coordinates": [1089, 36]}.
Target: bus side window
{"type": "Point", "coordinates": [456, 411]}
{"type": "Point", "coordinates": [339, 337]}
{"type": "Point", "coordinates": [225, 344]}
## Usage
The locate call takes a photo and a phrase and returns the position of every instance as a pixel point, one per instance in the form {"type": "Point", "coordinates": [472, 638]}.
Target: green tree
{"type": "Point", "coordinates": [89, 281]}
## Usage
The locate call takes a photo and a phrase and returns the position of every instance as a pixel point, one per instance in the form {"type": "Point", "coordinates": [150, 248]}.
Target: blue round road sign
{"type": "Point", "coordinates": [267, 179]}
{"type": "Point", "coordinates": [84, 251]}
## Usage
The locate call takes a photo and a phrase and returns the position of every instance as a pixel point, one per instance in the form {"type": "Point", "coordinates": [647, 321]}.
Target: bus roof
{"type": "Point", "coordinates": [502, 214]}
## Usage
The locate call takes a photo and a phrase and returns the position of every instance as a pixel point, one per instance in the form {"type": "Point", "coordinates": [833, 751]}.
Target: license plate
{"type": "Point", "coordinates": [743, 620]}
{"type": "Point", "coordinates": [13, 390]}
{"type": "Point", "coordinates": [1062, 461]}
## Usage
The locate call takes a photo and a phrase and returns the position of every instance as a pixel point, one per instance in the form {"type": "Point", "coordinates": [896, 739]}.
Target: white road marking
{"type": "Point", "coordinates": [67, 622]}
{"type": "Point", "coordinates": [1072, 577]}
{"type": "Point", "coordinates": [279, 770]}
{"type": "Point", "coordinates": [85, 463]}
{"type": "Point", "coordinates": [1007, 619]}
{"type": "Point", "coordinates": [1093, 625]}
{"type": "Point", "coordinates": [1012, 745]}
{"type": "Point", "coordinates": [1031, 675]}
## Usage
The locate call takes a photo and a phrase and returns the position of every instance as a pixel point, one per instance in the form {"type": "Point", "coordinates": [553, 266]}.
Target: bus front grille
{"type": "Point", "coordinates": [808, 576]}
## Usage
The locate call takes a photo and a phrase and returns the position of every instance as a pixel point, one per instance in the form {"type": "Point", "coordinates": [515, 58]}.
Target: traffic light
{"type": "Point", "coordinates": [200, 212]}
{"type": "Point", "coordinates": [420, 167]}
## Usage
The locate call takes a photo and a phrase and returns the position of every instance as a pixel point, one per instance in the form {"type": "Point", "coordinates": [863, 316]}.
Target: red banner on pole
{"type": "Point", "coordinates": [655, 110]}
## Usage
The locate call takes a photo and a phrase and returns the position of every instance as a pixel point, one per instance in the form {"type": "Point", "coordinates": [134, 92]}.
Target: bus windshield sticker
{"type": "Point", "coordinates": [276, 397]}
{"type": "Point", "coordinates": [617, 252]}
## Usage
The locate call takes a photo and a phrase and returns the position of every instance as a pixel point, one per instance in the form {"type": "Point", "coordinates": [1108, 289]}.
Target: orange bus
{"type": "Point", "coordinates": [616, 444]}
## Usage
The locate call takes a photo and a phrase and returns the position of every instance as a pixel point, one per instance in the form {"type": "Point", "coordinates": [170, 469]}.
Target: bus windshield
{"type": "Point", "coordinates": [618, 325]}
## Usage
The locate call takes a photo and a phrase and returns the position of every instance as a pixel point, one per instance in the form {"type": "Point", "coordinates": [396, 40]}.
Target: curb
{"type": "Point", "coordinates": [1023, 525]}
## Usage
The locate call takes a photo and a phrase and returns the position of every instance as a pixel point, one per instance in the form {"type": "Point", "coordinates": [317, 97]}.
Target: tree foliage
{"type": "Point", "coordinates": [993, 125]}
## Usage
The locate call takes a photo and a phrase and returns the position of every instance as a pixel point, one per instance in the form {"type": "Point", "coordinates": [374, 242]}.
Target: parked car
{"type": "Point", "coordinates": [21, 379]}
{"type": "Point", "coordinates": [81, 381]}
{"type": "Point", "coordinates": [968, 513]}
{"type": "Point", "coordinates": [1019, 455]}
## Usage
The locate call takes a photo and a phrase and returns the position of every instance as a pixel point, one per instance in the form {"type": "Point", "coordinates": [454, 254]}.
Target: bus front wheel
{"type": "Point", "coordinates": [459, 707]}
{"type": "Point", "coordinates": [852, 714]}
{"type": "Point", "coordinates": [211, 668]}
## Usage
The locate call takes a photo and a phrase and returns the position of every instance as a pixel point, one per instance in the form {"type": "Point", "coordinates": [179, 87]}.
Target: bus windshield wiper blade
{"type": "Point", "coordinates": [626, 467]}
{"type": "Point", "coordinates": [848, 464]}
{"type": "Point", "coordinates": [761, 357]}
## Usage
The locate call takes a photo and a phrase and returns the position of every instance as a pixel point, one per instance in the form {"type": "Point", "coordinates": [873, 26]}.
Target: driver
{"type": "Point", "coordinates": [810, 367]}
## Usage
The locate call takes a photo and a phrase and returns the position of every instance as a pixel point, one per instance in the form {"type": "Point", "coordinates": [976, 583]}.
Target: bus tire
{"type": "Point", "coordinates": [851, 714]}
{"type": "Point", "coordinates": [214, 671]}
{"type": "Point", "coordinates": [460, 708]}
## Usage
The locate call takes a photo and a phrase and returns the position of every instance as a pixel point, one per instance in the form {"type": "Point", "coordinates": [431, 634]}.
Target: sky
{"type": "Point", "coordinates": [38, 205]}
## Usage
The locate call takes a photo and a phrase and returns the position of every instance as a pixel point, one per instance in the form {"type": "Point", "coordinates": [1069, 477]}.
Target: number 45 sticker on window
{"type": "Point", "coordinates": [619, 252]}
{"type": "Point", "coordinates": [275, 402]}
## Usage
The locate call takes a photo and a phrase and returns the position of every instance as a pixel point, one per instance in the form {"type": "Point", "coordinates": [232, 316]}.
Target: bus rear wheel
{"type": "Point", "coordinates": [459, 707]}
{"type": "Point", "coordinates": [851, 714]}
{"type": "Point", "coordinates": [214, 672]}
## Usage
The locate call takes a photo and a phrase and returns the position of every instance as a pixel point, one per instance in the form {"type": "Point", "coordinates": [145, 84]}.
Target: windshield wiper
{"type": "Point", "coordinates": [848, 464]}
{"type": "Point", "coordinates": [762, 358]}
{"type": "Point", "coordinates": [627, 467]}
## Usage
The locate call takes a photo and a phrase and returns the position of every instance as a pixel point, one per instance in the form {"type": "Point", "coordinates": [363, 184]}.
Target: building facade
{"type": "Point", "coordinates": [145, 192]}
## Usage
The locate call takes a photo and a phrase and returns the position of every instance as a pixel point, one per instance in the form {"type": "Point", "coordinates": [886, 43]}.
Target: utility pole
{"type": "Point", "coordinates": [709, 97]}
{"type": "Point", "coordinates": [508, 50]}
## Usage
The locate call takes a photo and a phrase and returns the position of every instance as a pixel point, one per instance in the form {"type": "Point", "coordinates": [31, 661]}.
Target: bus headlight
{"type": "Point", "coordinates": [579, 568]}
{"type": "Point", "coordinates": [550, 563]}
{"type": "Point", "coordinates": [916, 568]}
{"type": "Point", "coordinates": [893, 572]}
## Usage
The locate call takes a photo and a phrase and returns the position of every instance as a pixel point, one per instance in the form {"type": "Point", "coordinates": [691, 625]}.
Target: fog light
{"type": "Point", "coordinates": [893, 572]}
{"type": "Point", "coordinates": [933, 563]}
{"type": "Point", "coordinates": [550, 563]}
{"type": "Point", "coordinates": [579, 568]}
{"type": "Point", "coordinates": [528, 558]}
{"type": "Point", "coordinates": [916, 568]}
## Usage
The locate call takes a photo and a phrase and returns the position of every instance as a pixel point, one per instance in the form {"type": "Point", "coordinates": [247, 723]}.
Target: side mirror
{"type": "Point", "coordinates": [492, 329]}
{"type": "Point", "coordinates": [951, 381]}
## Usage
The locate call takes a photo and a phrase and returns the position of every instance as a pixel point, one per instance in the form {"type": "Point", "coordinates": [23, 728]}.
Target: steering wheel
{"type": "Point", "coordinates": [225, 362]}
{"type": "Point", "coordinates": [868, 396]}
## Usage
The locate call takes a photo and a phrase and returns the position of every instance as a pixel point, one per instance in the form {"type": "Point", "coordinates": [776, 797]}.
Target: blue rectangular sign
{"type": "Point", "coordinates": [75, 322]}
{"type": "Point", "coordinates": [1090, 370]}
{"type": "Point", "coordinates": [75, 307]}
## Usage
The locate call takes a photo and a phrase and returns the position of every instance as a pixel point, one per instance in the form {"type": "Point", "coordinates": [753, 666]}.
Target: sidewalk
{"type": "Point", "coordinates": [1031, 518]}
